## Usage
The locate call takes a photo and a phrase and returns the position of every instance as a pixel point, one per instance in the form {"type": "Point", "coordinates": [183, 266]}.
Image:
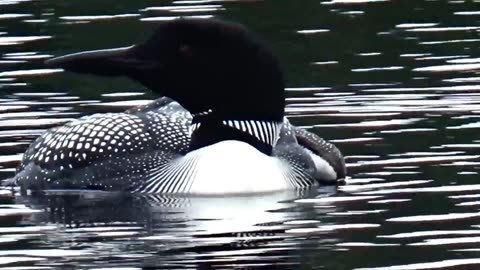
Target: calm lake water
{"type": "Point", "coordinates": [394, 84]}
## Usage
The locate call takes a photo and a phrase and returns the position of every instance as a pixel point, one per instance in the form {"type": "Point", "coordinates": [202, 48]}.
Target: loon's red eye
{"type": "Point", "coordinates": [186, 51]}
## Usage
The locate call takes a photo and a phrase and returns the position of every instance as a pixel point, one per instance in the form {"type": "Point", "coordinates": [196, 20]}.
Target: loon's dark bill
{"type": "Point", "coordinates": [107, 62]}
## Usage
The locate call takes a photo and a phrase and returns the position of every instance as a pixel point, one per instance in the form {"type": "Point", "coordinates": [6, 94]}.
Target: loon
{"type": "Point", "coordinates": [220, 127]}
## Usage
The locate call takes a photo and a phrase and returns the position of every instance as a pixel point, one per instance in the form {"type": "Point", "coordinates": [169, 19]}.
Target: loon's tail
{"type": "Point", "coordinates": [6, 190]}
{"type": "Point", "coordinates": [9, 182]}
{"type": "Point", "coordinates": [325, 150]}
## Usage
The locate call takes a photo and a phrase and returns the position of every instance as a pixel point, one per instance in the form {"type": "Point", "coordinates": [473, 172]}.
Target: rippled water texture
{"type": "Point", "coordinates": [394, 84]}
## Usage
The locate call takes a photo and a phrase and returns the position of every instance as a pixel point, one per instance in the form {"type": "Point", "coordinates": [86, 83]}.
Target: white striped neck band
{"type": "Point", "coordinates": [265, 131]}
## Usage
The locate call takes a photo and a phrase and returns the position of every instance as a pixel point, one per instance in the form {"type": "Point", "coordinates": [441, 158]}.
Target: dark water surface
{"type": "Point", "coordinates": [394, 84]}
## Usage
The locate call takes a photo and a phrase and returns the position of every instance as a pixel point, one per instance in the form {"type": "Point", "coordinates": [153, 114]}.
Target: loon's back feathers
{"type": "Point", "coordinates": [163, 105]}
{"type": "Point", "coordinates": [223, 134]}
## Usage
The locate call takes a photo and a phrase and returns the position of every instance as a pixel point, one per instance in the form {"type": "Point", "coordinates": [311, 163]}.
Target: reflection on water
{"type": "Point", "coordinates": [395, 86]}
{"type": "Point", "coordinates": [170, 230]}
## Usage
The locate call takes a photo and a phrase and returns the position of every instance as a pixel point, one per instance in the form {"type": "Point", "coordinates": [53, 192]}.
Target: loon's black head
{"type": "Point", "coordinates": [204, 64]}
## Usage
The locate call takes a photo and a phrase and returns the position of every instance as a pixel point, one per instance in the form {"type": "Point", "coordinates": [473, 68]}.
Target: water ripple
{"type": "Point", "coordinates": [31, 72]}
{"type": "Point", "coordinates": [326, 200]}
{"type": "Point", "coordinates": [98, 17]}
{"type": "Point", "coordinates": [13, 15]}
{"type": "Point", "coordinates": [433, 218]}
{"type": "Point", "coordinates": [429, 265]}
{"type": "Point", "coordinates": [19, 40]}
{"type": "Point", "coordinates": [346, 2]}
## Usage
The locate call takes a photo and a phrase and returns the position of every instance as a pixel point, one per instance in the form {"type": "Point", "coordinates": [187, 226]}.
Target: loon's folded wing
{"type": "Point", "coordinates": [106, 151]}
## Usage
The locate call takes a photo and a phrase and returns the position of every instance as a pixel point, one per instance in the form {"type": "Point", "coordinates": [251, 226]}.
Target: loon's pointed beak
{"type": "Point", "coordinates": [108, 62]}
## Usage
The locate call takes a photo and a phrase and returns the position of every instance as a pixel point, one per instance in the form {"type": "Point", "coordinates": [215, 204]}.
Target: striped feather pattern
{"type": "Point", "coordinates": [176, 176]}
{"type": "Point", "coordinates": [296, 176]}
{"type": "Point", "coordinates": [264, 131]}
{"type": "Point", "coordinates": [194, 126]}
{"type": "Point", "coordinates": [166, 200]}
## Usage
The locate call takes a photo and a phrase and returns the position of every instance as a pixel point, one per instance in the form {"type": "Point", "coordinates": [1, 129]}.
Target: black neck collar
{"type": "Point", "coordinates": [208, 129]}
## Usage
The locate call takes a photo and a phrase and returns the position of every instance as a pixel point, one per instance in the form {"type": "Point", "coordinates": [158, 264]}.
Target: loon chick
{"type": "Point", "coordinates": [220, 128]}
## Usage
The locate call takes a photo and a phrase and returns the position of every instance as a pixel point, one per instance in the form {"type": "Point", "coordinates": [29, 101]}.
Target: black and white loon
{"type": "Point", "coordinates": [220, 129]}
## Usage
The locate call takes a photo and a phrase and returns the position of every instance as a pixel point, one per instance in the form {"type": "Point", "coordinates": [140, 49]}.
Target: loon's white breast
{"type": "Point", "coordinates": [226, 167]}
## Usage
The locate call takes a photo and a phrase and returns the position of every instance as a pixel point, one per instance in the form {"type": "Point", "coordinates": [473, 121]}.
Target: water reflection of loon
{"type": "Point", "coordinates": [178, 228]}
{"type": "Point", "coordinates": [228, 136]}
